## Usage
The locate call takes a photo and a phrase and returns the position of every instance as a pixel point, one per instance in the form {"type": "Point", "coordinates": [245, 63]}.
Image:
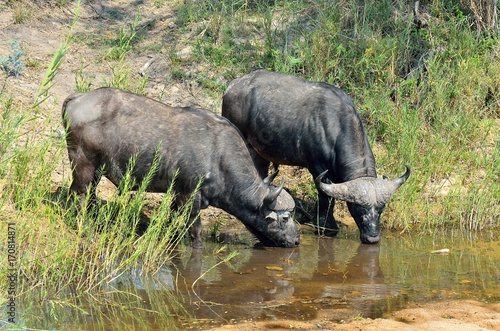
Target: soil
{"type": "Point", "coordinates": [44, 27]}
{"type": "Point", "coordinates": [446, 315]}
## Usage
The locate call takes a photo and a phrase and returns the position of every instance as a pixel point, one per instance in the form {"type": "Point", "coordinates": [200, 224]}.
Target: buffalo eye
{"type": "Point", "coordinates": [286, 216]}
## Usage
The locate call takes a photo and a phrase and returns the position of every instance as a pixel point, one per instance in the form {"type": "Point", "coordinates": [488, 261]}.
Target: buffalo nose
{"type": "Point", "coordinates": [294, 242]}
{"type": "Point", "coordinates": [370, 239]}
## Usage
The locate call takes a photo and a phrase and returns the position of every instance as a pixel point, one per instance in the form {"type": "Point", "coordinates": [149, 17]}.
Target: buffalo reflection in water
{"type": "Point", "coordinates": [321, 272]}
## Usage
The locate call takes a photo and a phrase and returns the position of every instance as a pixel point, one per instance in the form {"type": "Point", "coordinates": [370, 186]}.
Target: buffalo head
{"type": "Point", "coordinates": [366, 198]}
{"type": "Point", "coordinates": [276, 227]}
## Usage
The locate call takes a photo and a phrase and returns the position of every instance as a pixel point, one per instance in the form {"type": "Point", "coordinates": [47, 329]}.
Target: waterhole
{"type": "Point", "coordinates": [204, 288]}
{"type": "Point", "coordinates": [340, 274]}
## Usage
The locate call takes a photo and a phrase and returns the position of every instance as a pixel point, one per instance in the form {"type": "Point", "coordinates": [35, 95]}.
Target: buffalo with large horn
{"type": "Point", "coordinates": [292, 121]}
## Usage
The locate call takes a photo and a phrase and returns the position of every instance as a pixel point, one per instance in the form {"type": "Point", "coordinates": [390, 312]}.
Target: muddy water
{"type": "Point", "coordinates": [339, 274]}
{"type": "Point", "coordinates": [350, 280]}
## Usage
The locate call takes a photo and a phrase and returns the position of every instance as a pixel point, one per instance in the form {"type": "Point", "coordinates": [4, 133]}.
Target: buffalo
{"type": "Point", "coordinates": [289, 120]}
{"type": "Point", "coordinates": [108, 127]}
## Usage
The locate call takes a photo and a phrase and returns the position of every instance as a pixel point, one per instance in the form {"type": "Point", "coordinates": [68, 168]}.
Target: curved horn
{"type": "Point", "coordinates": [385, 189]}
{"type": "Point", "coordinates": [320, 177]}
{"type": "Point", "coordinates": [344, 191]}
{"type": "Point", "coordinates": [269, 179]}
{"type": "Point", "coordinates": [400, 180]}
{"type": "Point", "coordinates": [273, 193]}
{"type": "Point", "coordinates": [363, 191]}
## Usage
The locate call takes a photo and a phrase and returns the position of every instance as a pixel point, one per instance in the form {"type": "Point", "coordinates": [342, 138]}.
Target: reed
{"type": "Point", "coordinates": [48, 80]}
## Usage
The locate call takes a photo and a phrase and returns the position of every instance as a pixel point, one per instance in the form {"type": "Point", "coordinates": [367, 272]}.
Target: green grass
{"type": "Point", "coordinates": [65, 256]}
{"type": "Point", "coordinates": [50, 74]}
{"type": "Point", "coordinates": [124, 42]}
{"type": "Point", "coordinates": [429, 97]}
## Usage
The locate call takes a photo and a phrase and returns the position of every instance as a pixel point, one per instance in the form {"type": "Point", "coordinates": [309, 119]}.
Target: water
{"type": "Point", "coordinates": [198, 289]}
{"type": "Point", "coordinates": [334, 273]}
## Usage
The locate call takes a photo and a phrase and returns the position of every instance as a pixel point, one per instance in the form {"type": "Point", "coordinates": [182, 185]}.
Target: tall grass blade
{"type": "Point", "coordinates": [50, 74]}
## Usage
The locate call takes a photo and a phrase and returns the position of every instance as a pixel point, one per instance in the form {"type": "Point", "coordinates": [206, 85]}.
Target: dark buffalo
{"type": "Point", "coordinates": [107, 127]}
{"type": "Point", "coordinates": [289, 120]}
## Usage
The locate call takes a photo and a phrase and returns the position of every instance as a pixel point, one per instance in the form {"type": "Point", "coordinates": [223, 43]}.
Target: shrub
{"type": "Point", "coordinates": [13, 64]}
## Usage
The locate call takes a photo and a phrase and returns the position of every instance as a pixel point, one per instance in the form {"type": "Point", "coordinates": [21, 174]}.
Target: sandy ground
{"type": "Point", "coordinates": [446, 315]}
{"type": "Point", "coordinates": [40, 36]}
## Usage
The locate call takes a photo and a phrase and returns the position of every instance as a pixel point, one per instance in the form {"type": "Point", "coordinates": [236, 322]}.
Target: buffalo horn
{"type": "Point", "coordinates": [273, 192]}
{"type": "Point", "coordinates": [365, 191]}
{"type": "Point", "coordinates": [400, 180]}
{"type": "Point", "coordinates": [269, 179]}
{"type": "Point", "coordinates": [385, 188]}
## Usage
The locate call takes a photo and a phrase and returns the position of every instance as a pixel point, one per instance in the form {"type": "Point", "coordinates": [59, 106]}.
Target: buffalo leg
{"type": "Point", "coordinates": [326, 222]}
{"type": "Point", "coordinates": [260, 163]}
{"type": "Point", "coordinates": [195, 223]}
{"type": "Point", "coordinates": [195, 233]}
{"type": "Point", "coordinates": [84, 174]}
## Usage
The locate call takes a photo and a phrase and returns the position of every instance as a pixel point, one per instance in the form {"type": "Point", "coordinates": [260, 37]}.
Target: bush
{"type": "Point", "coordinates": [13, 64]}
